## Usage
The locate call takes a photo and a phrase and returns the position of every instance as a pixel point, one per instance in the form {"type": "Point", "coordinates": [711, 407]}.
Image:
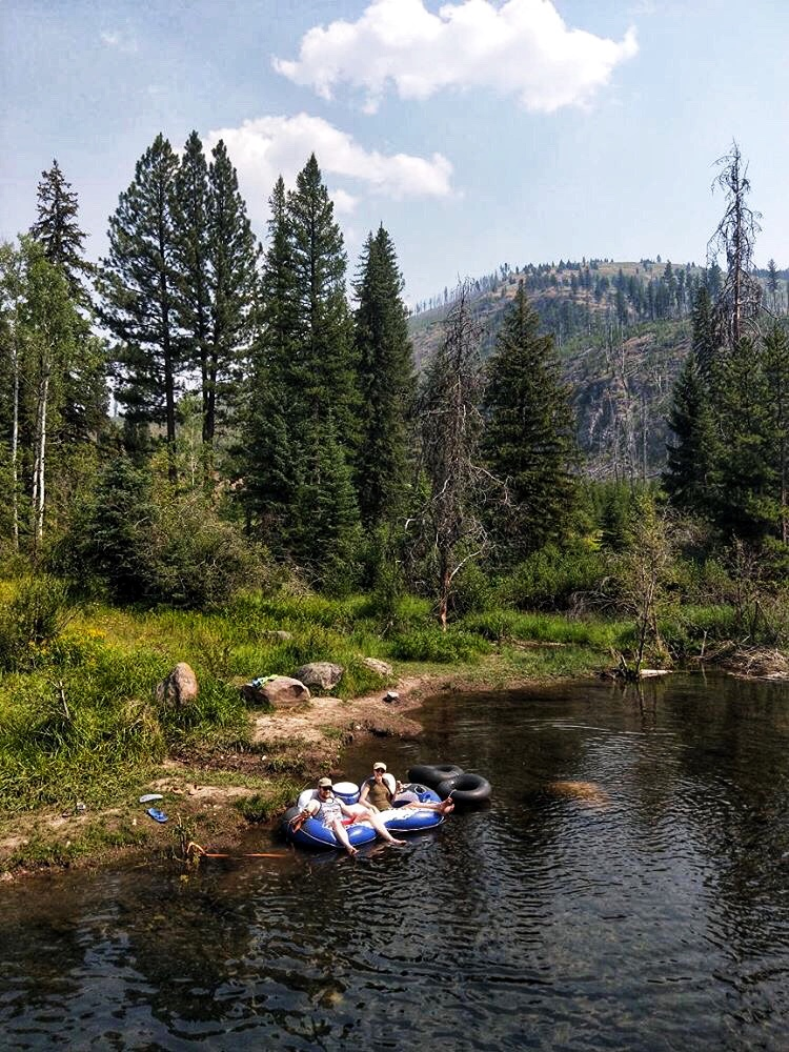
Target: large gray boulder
{"type": "Point", "coordinates": [280, 692]}
{"type": "Point", "coordinates": [179, 688]}
{"type": "Point", "coordinates": [321, 674]}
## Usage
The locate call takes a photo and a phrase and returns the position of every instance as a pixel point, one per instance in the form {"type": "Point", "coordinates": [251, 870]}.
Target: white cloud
{"type": "Point", "coordinates": [521, 48]}
{"type": "Point", "coordinates": [344, 203]}
{"type": "Point", "coordinates": [119, 41]}
{"type": "Point", "coordinates": [267, 147]}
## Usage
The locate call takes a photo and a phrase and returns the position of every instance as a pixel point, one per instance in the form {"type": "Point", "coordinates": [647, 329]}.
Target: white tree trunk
{"type": "Point", "coordinates": [15, 447]}
{"type": "Point", "coordinates": [39, 468]}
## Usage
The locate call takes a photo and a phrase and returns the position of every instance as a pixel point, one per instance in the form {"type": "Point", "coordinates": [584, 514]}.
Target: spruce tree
{"type": "Point", "coordinates": [192, 266]}
{"type": "Point", "coordinates": [232, 253]}
{"type": "Point", "coordinates": [328, 537]}
{"type": "Point", "coordinates": [529, 438]}
{"type": "Point", "coordinates": [386, 381]}
{"type": "Point", "coordinates": [140, 290]}
{"type": "Point", "coordinates": [690, 477]}
{"type": "Point", "coordinates": [776, 371]}
{"type": "Point", "coordinates": [58, 232]}
{"type": "Point", "coordinates": [320, 377]}
{"type": "Point", "coordinates": [57, 229]}
{"type": "Point", "coordinates": [747, 505]}
{"type": "Point", "coordinates": [690, 471]}
{"type": "Point", "coordinates": [269, 456]}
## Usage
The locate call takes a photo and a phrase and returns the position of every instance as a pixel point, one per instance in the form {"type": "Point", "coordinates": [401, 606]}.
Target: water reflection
{"type": "Point", "coordinates": [626, 888]}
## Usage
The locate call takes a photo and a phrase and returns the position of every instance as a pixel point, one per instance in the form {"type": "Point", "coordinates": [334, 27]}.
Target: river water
{"type": "Point", "coordinates": [628, 888]}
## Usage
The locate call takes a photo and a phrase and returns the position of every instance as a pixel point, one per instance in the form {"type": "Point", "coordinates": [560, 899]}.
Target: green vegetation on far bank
{"type": "Point", "coordinates": [80, 719]}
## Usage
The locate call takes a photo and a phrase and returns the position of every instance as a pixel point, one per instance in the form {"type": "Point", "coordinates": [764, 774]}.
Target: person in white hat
{"type": "Point", "coordinates": [381, 789]}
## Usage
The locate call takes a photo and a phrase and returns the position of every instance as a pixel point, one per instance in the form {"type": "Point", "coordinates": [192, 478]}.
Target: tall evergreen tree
{"type": "Point", "coordinates": [269, 459]}
{"type": "Point", "coordinates": [747, 505]}
{"type": "Point", "coordinates": [386, 380]}
{"type": "Point", "coordinates": [704, 341]}
{"type": "Point", "coordinates": [776, 371]}
{"type": "Point", "coordinates": [321, 376]}
{"type": "Point", "coordinates": [326, 533]}
{"type": "Point", "coordinates": [139, 290]}
{"type": "Point", "coordinates": [232, 253]}
{"type": "Point", "coordinates": [57, 229]}
{"type": "Point", "coordinates": [58, 232]}
{"type": "Point", "coordinates": [192, 260]}
{"type": "Point", "coordinates": [529, 438]}
{"type": "Point", "coordinates": [690, 470]}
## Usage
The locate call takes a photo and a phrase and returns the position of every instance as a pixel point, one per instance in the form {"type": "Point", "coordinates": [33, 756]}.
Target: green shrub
{"type": "Point", "coordinates": [552, 579]}
{"type": "Point", "coordinates": [431, 644]}
{"type": "Point", "coordinates": [32, 621]}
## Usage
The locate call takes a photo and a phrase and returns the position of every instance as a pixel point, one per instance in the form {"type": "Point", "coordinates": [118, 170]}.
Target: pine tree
{"type": "Point", "coordinates": [269, 458]}
{"type": "Point", "coordinates": [328, 536]}
{"type": "Point", "coordinates": [529, 438]}
{"type": "Point", "coordinates": [139, 290]}
{"type": "Point", "coordinates": [690, 470]}
{"type": "Point", "coordinates": [232, 253]}
{"type": "Point", "coordinates": [776, 371]}
{"type": "Point", "coordinates": [772, 285]}
{"type": "Point", "coordinates": [386, 381]}
{"type": "Point", "coordinates": [320, 377]}
{"type": "Point", "coordinates": [57, 229]}
{"type": "Point", "coordinates": [704, 341]}
{"type": "Point", "coordinates": [192, 263]}
{"type": "Point", "coordinates": [747, 505]}
{"type": "Point", "coordinates": [690, 473]}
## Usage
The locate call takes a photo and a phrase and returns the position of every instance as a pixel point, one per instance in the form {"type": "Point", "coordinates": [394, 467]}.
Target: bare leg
{"type": "Point", "coordinates": [382, 831]}
{"type": "Point", "coordinates": [339, 831]}
{"type": "Point", "coordinates": [445, 807]}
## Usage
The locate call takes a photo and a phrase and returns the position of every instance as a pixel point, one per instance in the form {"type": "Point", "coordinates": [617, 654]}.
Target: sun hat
{"type": "Point", "coordinates": [379, 766]}
{"type": "Point", "coordinates": [324, 783]}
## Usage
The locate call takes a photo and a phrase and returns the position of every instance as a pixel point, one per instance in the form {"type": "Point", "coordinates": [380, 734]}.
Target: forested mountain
{"type": "Point", "coordinates": [622, 330]}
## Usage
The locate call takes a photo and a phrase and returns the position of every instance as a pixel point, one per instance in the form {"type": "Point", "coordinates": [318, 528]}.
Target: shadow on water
{"type": "Point", "coordinates": [626, 888]}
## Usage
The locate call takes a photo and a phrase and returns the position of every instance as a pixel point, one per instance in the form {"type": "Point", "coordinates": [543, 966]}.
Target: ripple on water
{"type": "Point", "coordinates": [627, 888]}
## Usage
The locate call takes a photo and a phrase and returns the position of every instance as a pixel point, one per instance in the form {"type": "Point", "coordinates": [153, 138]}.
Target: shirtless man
{"type": "Point", "coordinates": [329, 809]}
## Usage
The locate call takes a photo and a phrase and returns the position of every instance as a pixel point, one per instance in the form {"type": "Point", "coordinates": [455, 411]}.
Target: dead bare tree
{"type": "Point", "coordinates": [735, 236]}
{"type": "Point", "coordinates": [451, 425]}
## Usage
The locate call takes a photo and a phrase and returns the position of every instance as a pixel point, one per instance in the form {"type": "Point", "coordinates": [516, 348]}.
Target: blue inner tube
{"type": "Point", "coordinates": [431, 774]}
{"type": "Point", "coordinates": [314, 835]}
{"type": "Point", "coordinates": [402, 819]}
{"type": "Point", "coordinates": [467, 789]}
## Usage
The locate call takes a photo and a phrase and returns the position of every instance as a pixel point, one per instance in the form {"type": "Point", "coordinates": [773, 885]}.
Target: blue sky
{"type": "Point", "coordinates": [478, 132]}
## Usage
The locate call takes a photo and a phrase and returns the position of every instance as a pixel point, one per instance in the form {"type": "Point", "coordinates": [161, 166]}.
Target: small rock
{"type": "Point", "coordinates": [279, 634]}
{"type": "Point", "coordinates": [180, 687]}
{"type": "Point", "coordinates": [321, 674]}
{"type": "Point", "coordinates": [383, 669]}
{"type": "Point", "coordinates": [391, 697]}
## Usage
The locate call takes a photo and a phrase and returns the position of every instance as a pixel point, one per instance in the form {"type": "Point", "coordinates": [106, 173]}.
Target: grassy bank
{"type": "Point", "coordinates": [80, 721]}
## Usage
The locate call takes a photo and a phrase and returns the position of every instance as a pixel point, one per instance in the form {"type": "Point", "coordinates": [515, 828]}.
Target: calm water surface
{"type": "Point", "coordinates": [627, 889]}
